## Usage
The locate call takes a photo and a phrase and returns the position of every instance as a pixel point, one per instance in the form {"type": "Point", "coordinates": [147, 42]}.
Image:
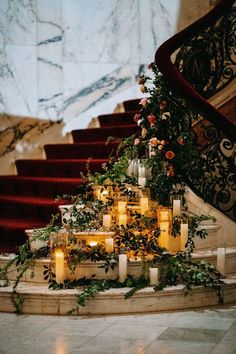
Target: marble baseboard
{"type": "Point", "coordinates": [40, 300]}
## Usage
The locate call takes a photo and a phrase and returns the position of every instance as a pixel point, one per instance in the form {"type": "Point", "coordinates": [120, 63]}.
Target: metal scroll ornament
{"type": "Point", "coordinates": [207, 61]}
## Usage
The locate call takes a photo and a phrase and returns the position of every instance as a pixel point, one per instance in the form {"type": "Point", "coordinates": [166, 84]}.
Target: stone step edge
{"type": "Point", "coordinates": [41, 300]}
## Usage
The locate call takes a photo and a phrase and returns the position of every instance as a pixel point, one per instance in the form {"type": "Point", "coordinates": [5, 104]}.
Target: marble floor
{"type": "Point", "coordinates": [188, 332]}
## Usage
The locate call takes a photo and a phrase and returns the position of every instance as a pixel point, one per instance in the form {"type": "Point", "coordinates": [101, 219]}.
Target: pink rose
{"type": "Point", "coordinates": [153, 142]}
{"type": "Point", "coordinates": [153, 153]}
{"type": "Point", "coordinates": [160, 147]}
{"type": "Point", "coordinates": [137, 117]}
{"type": "Point", "coordinates": [137, 141]}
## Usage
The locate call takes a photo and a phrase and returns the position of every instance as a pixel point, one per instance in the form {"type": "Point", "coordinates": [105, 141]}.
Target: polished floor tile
{"type": "Point", "coordinates": [208, 331]}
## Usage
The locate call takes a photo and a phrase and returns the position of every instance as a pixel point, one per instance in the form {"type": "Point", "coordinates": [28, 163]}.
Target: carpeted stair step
{"type": "Point", "coordinates": [29, 206]}
{"type": "Point", "coordinates": [132, 105]}
{"type": "Point", "coordinates": [114, 119]}
{"type": "Point", "coordinates": [58, 168]}
{"type": "Point", "coordinates": [12, 231]}
{"type": "Point", "coordinates": [38, 186]}
{"type": "Point", "coordinates": [101, 134]}
{"type": "Point", "coordinates": [79, 150]}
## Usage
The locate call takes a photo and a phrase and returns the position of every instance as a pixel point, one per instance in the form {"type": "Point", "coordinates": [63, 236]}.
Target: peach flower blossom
{"type": "Point", "coordinates": [153, 142]}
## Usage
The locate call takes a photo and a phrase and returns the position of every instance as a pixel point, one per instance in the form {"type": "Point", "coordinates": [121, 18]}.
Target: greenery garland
{"type": "Point", "coordinates": [165, 145]}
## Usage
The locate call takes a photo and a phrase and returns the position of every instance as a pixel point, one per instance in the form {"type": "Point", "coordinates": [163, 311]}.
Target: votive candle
{"type": "Point", "coordinates": [93, 243]}
{"type": "Point", "coordinates": [59, 267]}
{"type": "Point", "coordinates": [122, 267]}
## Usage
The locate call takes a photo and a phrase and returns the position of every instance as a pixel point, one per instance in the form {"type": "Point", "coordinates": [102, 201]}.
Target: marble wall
{"type": "Point", "coordinates": [72, 59]}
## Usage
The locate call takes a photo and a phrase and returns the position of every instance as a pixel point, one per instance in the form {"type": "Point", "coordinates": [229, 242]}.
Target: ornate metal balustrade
{"type": "Point", "coordinates": [208, 60]}
{"type": "Point", "coordinates": [204, 64]}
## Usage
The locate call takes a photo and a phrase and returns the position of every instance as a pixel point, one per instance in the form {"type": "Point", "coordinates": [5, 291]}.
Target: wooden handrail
{"type": "Point", "coordinates": [168, 69]}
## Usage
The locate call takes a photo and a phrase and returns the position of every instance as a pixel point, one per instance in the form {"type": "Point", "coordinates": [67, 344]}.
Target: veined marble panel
{"type": "Point", "coordinates": [104, 31]}
{"type": "Point", "coordinates": [95, 92]}
{"type": "Point", "coordinates": [158, 20]}
{"type": "Point", "coordinates": [18, 79]}
{"type": "Point", "coordinates": [17, 22]}
{"type": "Point", "coordinates": [49, 57]}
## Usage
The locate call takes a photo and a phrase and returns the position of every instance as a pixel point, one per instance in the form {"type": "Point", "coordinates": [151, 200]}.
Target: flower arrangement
{"type": "Point", "coordinates": [159, 156]}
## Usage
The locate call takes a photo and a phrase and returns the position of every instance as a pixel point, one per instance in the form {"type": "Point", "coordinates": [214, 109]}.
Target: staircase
{"type": "Point", "coordinates": [27, 200]}
{"type": "Point", "coordinates": [202, 67]}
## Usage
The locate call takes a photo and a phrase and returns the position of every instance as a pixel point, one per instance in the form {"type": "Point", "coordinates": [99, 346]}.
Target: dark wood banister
{"type": "Point", "coordinates": [168, 69]}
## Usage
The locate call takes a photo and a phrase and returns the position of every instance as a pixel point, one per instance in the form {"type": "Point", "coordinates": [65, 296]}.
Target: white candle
{"type": "Point", "coordinates": [154, 275]}
{"type": "Point", "coordinates": [109, 245]}
{"type": "Point", "coordinates": [220, 261]}
{"type": "Point", "coordinates": [176, 207]}
{"type": "Point", "coordinates": [164, 237]}
{"type": "Point", "coordinates": [59, 267]}
{"type": "Point", "coordinates": [122, 219]}
{"type": "Point", "coordinates": [121, 207]}
{"type": "Point", "coordinates": [93, 243]}
{"type": "Point", "coordinates": [183, 235]}
{"type": "Point", "coordinates": [122, 267]}
{"type": "Point", "coordinates": [142, 181]}
{"type": "Point", "coordinates": [106, 220]}
{"type": "Point", "coordinates": [144, 205]}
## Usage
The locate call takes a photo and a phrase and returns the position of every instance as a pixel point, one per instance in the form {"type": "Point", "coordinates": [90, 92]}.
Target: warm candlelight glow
{"type": "Point", "coordinates": [164, 238]}
{"type": "Point", "coordinates": [122, 207]}
{"type": "Point", "coordinates": [183, 235]}
{"type": "Point", "coordinates": [122, 267]}
{"type": "Point", "coordinates": [109, 245]}
{"type": "Point", "coordinates": [144, 205]}
{"type": "Point", "coordinates": [59, 267]}
{"type": "Point", "coordinates": [164, 215]}
{"type": "Point", "coordinates": [93, 243]}
{"type": "Point", "coordinates": [122, 219]}
{"type": "Point", "coordinates": [154, 275]}
{"type": "Point", "coordinates": [104, 195]}
{"type": "Point", "coordinates": [176, 207]}
{"type": "Point", "coordinates": [106, 220]}
{"type": "Point", "coordinates": [220, 261]}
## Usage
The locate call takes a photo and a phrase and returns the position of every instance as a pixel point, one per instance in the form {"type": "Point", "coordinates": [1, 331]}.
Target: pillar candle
{"type": "Point", "coordinates": [109, 245]}
{"type": "Point", "coordinates": [164, 237]}
{"type": "Point", "coordinates": [220, 261]}
{"type": "Point", "coordinates": [122, 219]}
{"type": "Point", "coordinates": [176, 207]}
{"type": "Point", "coordinates": [122, 267]}
{"type": "Point", "coordinates": [183, 235]}
{"type": "Point", "coordinates": [106, 220]}
{"type": "Point", "coordinates": [144, 205]}
{"type": "Point", "coordinates": [142, 181]}
{"type": "Point", "coordinates": [121, 207]}
{"type": "Point", "coordinates": [59, 267]}
{"type": "Point", "coordinates": [154, 276]}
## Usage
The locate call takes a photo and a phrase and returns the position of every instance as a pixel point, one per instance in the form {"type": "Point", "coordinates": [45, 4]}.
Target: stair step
{"type": "Point", "coordinates": [132, 105]}
{"type": "Point", "coordinates": [29, 206]}
{"type": "Point", "coordinates": [58, 168]}
{"type": "Point", "coordinates": [12, 231]}
{"type": "Point", "coordinates": [79, 150]}
{"type": "Point", "coordinates": [101, 134]}
{"type": "Point", "coordinates": [114, 119]}
{"type": "Point", "coordinates": [38, 186]}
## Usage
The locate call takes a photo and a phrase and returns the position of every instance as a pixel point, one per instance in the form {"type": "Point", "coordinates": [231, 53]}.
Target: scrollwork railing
{"type": "Point", "coordinates": [205, 63]}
